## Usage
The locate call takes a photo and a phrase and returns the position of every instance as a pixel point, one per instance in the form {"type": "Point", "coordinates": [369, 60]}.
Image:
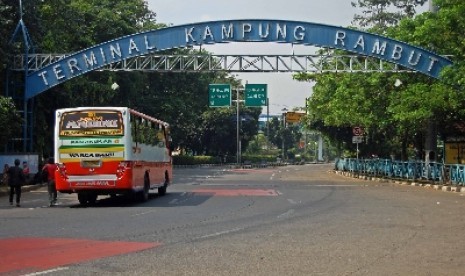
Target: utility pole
{"type": "Point", "coordinates": [431, 131]}
{"type": "Point", "coordinates": [284, 110]}
{"type": "Point", "coordinates": [267, 123]}
{"type": "Point", "coordinates": [238, 127]}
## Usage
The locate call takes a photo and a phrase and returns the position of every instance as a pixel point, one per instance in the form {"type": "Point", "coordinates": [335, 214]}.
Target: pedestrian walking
{"type": "Point", "coordinates": [49, 170]}
{"type": "Point", "coordinates": [26, 171]}
{"type": "Point", "coordinates": [15, 180]}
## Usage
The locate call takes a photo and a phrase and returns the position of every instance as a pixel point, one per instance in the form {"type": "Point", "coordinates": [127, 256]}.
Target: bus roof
{"type": "Point", "coordinates": [148, 118]}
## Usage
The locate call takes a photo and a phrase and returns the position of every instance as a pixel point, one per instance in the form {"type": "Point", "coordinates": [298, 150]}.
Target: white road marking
{"type": "Point", "coordinates": [291, 201]}
{"type": "Point", "coordinates": [287, 214]}
{"type": "Point", "coordinates": [222, 233]}
{"type": "Point", "coordinates": [173, 201]}
{"type": "Point", "coordinates": [47, 271]}
{"type": "Point", "coordinates": [143, 213]}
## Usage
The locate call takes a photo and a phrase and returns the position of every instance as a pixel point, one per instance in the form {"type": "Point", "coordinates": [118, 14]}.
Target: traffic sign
{"type": "Point", "coordinates": [357, 139]}
{"type": "Point", "coordinates": [219, 95]}
{"type": "Point", "coordinates": [294, 117]}
{"type": "Point", "coordinates": [358, 131]}
{"type": "Point", "coordinates": [255, 94]}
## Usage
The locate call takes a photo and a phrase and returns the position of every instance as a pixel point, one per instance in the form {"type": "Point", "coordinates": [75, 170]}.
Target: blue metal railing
{"type": "Point", "coordinates": [410, 170]}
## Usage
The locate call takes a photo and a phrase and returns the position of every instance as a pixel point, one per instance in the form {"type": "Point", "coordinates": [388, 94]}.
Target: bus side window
{"type": "Point", "coordinates": [137, 133]}
{"type": "Point", "coordinates": [134, 129]}
{"type": "Point", "coordinates": [142, 131]}
{"type": "Point", "coordinates": [160, 136]}
{"type": "Point", "coordinates": [152, 134]}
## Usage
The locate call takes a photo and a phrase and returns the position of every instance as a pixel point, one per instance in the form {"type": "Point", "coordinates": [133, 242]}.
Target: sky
{"type": "Point", "coordinates": [283, 91]}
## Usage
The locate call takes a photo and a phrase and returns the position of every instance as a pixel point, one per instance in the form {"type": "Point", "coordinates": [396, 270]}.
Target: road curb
{"type": "Point", "coordinates": [431, 185]}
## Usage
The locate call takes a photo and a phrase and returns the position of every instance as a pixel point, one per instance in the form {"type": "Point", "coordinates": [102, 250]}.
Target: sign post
{"type": "Point", "coordinates": [219, 95]}
{"type": "Point", "coordinates": [358, 133]}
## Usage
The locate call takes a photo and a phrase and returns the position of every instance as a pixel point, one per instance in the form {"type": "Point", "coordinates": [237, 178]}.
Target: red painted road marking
{"type": "Point", "coordinates": [37, 254]}
{"type": "Point", "coordinates": [238, 192]}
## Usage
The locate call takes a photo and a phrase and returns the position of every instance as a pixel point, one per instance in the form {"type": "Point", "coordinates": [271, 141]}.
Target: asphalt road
{"type": "Point", "coordinates": [294, 220]}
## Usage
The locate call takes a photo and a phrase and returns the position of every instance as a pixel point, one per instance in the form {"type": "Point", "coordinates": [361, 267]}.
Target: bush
{"type": "Point", "coordinates": [199, 160]}
{"type": "Point", "coordinates": [195, 160]}
{"type": "Point", "coordinates": [259, 158]}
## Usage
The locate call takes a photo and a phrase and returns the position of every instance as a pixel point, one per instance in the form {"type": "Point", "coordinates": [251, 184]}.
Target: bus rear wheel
{"type": "Point", "coordinates": [162, 190]}
{"type": "Point", "coordinates": [87, 198]}
{"type": "Point", "coordinates": [92, 198]}
{"type": "Point", "coordinates": [82, 197]}
{"type": "Point", "coordinates": [144, 194]}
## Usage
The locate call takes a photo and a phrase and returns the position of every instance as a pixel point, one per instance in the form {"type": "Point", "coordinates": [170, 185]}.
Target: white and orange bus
{"type": "Point", "coordinates": [111, 151]}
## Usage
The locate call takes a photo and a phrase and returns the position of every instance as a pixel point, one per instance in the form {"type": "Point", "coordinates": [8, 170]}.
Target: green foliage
{"type": "Point", "coordinates": [89, 22]}
{"type": "Point", "coordinates": [378, 15]}
{"type": "Point", "coordinates": [177, 98]}
{"type": "Point", "coordinates": [195, 160]}
{"type": "Point", "coordinates": [202, 159]}
{"type": "Point", "coordinates": [258, 144]}
{"type": "Point", "coordinates": [10, 118]}
{"type": "Point", "coordinates": [284, 137]}
{"type": "Point", "coordinates": [7, 23]}
{"type": "Point", "coordinates": [395, 117]}
{"type": "Point", "coordinates": [258, 158]}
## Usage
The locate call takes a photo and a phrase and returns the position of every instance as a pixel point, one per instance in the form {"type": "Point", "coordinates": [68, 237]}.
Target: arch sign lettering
{"type": "Point", "coordinates": [253, 30]}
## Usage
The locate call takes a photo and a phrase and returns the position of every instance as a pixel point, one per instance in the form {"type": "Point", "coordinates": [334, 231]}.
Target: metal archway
{"type": "Point", "coordinates": [42, 73]}
{"type": "Point", "coordinates": [253, 30]}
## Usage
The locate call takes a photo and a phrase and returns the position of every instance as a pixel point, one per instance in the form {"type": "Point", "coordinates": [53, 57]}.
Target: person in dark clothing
{"type": "Point", "coordinates": [16, 178]}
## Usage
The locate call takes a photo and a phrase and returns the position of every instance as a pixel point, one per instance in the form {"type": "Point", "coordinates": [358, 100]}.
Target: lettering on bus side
{"type": "Point", "coordinates": [93, 141]}
{"type": "Point", "coordinates": [96, 155]}
{"type": "Point", "coordinates": [93, 183]}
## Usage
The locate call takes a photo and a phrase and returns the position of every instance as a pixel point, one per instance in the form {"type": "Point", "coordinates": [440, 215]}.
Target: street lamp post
{"type": "Point", "coordinates": [284, 110]}
{"type": "Point", "coordinates": [238, 140]}
{"type": "Point", "coordinates": [267, 123]}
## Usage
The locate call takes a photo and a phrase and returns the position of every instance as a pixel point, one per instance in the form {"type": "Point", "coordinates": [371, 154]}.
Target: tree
{"type": "Point", "coordinates": [378, 15]}
{"type": "Point", "coordinates": [394, 117]}
{"type": "Point", "coordinates": [10, 118]}
{"type": "Point", "coordinates": [438, 102]}
{"type": "Point", "coordinates": [284, 137]}
{"type": "Point", "coordinates": [86, 23]}
{"type": "Point", "coordinates": [65, 26]}
{"type": "Point", "coordinates": [9, 19]}
{"type": "Point", "coordinates": [7, 24]}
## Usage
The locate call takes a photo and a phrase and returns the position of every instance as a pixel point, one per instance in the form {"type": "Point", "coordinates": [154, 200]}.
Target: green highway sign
{"type": "Point", "coordinates": [255, 94]}
{"type": "Point", "coordinates": [219, 95]}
